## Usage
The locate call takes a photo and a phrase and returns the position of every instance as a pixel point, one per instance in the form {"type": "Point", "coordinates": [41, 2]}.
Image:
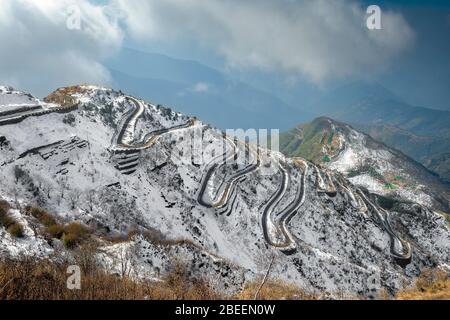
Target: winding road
{"type": "Point", "coordinates": [400, 249]}
{"type": "Point", "coordinates": [228, 185]}
{"type": "Point", "coordinates": [278, 235]}
{"type": "Point", "coordinates": [275, 217]}
{"type": "Point", "coordinates": [329, 188]}
{"type": "Point", "coordinates": [273, 231]}
{"type": "Point", "coordinates": [351, 196]}
{"type": "Point", "coordinates": [125, 139]}
{"type": "Point", "coordinates": [18, 115]}
{"type": "Point", "coordinates": [126, 148]}
{"type": "Point", "coordinates": [223, 197]}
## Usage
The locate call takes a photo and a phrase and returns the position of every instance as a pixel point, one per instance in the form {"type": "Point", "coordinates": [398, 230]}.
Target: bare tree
{"type": "Point", "coordinates": [74, 197]}
{"type": "Point", "coordinates": [62, 181]}
{"type": "Point", "coordinates": [126, 260]}
{"type": "Point", "coordinates": [46, 188]}
{"type": "Point", "coordinates": [15, 193]}
{"type": "Point", "coordinates": [90, 196]}
{"type": "Point", "coordinates": [265, 277]}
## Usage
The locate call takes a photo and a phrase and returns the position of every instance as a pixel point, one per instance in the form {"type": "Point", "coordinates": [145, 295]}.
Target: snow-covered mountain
{"type": "Point", "coordinates": [419, 132]}
{"type": "Point", "coordinates": [225, 207]}
{"type": "Point", "coordinates": [366, 162]}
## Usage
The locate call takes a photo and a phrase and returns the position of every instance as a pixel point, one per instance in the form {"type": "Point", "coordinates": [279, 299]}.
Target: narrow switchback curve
{"type": "Point", "coordinates": [18, 115]}
{"type": "Point", "coordinates": [232, 180]}
{"type": "Point", "coordinates": [227, 188]}
{"type": "Point", "coordinates": [126, 133]}
{"type": "Point", "coordinates": [278, 235]}
{"type": "Point", "coordinates": [268, 226]}
{"type": "Point", "coordinates": [400, 249]}
{"type": "Point", "coordinates": [126, 148]}
{"type": "Point", "coordinates": [272, 231]}
{"type": "Point", "coordinates": [350, 195]}
{"type": "Point", "coordinates": [212, 167]}
{"type": "Point", "coordinates": [329, 188]}
{"type": "Point", "coordinates": [292, 209]}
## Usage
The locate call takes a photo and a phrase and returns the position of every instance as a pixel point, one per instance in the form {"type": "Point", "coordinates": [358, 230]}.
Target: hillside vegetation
{"type": "Point", "coordinates": [315, 141]}
{"type": "Point", "coordinates": [30, 279]}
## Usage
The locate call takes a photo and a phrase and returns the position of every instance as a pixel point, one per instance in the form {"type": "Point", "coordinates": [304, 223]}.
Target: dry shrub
{"type": "Point", "coordinates": [273, 290]}
{"type": "Point", "coordinates": [72, 234]}
{"type": "Point", "coordinates": [11, 225]}
{"type": "Point", "coordinates": [42, 215]}
{"type": "Point", "coordinates": [4, 207]}
{"type": "Point", "coordinates": [178, 285]}
{"type": "Point", "coordinates": [6, 220]}
{"type": "Point", "coordinates": [431, 285]}
{"type": "Point", "coordinates": [31, 279]}
{"type": "Point", "coordinates": [115, 238]}
{"type": "Point", "coordinates": [157, 238]}
{"type": "Point", "coordinates": [383, 294]}
{"type": "Point", "coordinates": [16, 230]}
{"type": "Point", "coordinates": [152, 235]}
{"type": "Point", "coordinates": [55, 231]}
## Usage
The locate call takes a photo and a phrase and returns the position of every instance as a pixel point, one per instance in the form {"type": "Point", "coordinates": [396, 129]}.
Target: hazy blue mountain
{"type": "Point", "coordinates": [193, 88]}
{"type": "Point", "coordinates": [158, 66]}
{"type": "Point", "coordinates": [421, 133]}
{"type": "Point", "coordinates": [431, 151]}
{"type": "Point", "coordinates": [373, 104]}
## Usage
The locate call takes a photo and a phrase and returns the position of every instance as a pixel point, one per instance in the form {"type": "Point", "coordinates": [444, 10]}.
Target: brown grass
{"type": "Point", "coordinates": [63, 96]}
{"type": "Point", "coordinates": [55, 231]}
{"type": "Point", "coordinates": [16, 230]}
{"type": "Point", "coordinates": [431, 285]}
{"type": "Point", "coordinates": [177, 284]}
{"type": "Point", "coordinates": [42, 215]}
{"type": "Point", "coordinates": [30, 279]}
{"type": "Point", "coordinates": [72, 234]}
{"type": "Point", "coordinates": [11, 225]}
{"type": "Point", "coordinates": [4, 207]}
{"type": "Point", "coordinates": [273, 290]}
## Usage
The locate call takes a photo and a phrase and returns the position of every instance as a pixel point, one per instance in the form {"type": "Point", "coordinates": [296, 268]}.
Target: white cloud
{"type": "Point", "coordinates": [318, 39]}
{"type": "Point", "coordinates": [200, 87]}
{"type": "Point", "coordinates": [39, 52]}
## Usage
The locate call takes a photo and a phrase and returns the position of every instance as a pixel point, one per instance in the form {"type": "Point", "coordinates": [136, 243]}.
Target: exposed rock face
{"type": "Point", "coordinates": [125, 164]}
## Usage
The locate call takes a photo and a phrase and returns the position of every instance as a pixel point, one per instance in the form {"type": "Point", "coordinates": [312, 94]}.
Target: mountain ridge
{"type": "Point", "coordinates": [116, 163]}
{"type": "Point", "coordinates": [419, 132]}
{"type": "Point", "coordinates": [217, 97]}
{"type": "Point", "coordinates": [308, 140]}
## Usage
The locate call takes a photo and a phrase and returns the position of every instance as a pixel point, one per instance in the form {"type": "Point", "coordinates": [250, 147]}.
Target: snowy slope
{"type": "Point", "coordinates": [111, 163]}
{"type": "Point", "coordinates": [367, 163]}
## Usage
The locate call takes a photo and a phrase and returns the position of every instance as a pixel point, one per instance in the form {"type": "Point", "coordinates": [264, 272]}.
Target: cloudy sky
{"type": "Point", "coordinates": [317, 42]}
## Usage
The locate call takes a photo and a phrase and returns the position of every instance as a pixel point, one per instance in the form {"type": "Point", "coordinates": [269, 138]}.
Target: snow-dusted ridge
{"type": "Point", "coordinates": [367, 162]}
{"type": "Point", "coordinates": [327, 234]}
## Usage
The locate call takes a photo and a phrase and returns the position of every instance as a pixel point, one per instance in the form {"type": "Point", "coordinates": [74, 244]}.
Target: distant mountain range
{"type": "Point", "coordinates": [373, 104]}
{"type": "Point", "coordinates": [226, 102]}
{"type": "Point", "coordinates": [421, 133]}
{"type": "Point", "coordinates": [199, 90]}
